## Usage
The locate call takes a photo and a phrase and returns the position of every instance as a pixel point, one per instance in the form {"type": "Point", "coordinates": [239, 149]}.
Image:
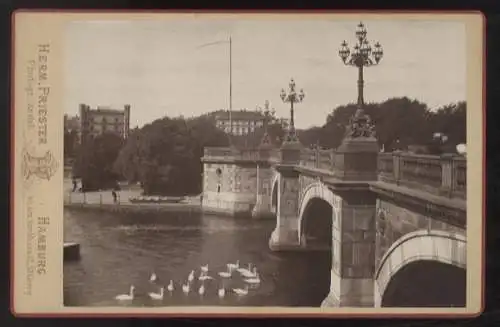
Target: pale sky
{"type": "Point", "coordinates": [157, 67]}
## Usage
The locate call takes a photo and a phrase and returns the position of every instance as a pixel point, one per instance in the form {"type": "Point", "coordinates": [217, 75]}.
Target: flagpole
{"type": "Point", "coordinates": [230, 81]}
{"type": "Point", "coordinates": [230, 86]}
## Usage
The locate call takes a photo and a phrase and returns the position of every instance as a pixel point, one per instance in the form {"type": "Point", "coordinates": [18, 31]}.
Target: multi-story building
{"type": "Point", "coordinates": [101, 120]}
{"type": "Point", "coordinates": [71, 139]}
{"type": "Point", "coordinates": [72, 125]}
{"type": "Point", "coordinates": [239, 122]}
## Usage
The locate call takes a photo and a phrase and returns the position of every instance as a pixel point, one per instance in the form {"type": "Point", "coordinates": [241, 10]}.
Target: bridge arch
{"type": "Point", "coordinates": [274, 192]}
{"type": "Point", "coordinates": [419, 252]}
{"type": "Point", "coordinates": [312, 193]}
{"type": "Point", "coordinates": [316, 218]}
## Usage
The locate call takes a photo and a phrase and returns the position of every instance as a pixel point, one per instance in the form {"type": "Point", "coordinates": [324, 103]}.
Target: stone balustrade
{"type": "Point", "coordinates": [441, 175]}
{"type": "Point", "coordinates": [318, 158]}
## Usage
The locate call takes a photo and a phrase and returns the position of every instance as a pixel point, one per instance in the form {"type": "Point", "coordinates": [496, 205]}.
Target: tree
{"type": "Point", "coordinates": [94, 162]}
{"type": "Point", "coordinates": [399, 122]}
{"type": "Point", "coordinates": [450, 120]}
{"type": "Point", "coordinates": [165, 154]}
{"type": "Point", "coordinates": [70, 143]}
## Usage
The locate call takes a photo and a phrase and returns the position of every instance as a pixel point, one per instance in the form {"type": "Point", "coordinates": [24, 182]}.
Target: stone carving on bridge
{"type": "Point", "coordinates": [360, 125]}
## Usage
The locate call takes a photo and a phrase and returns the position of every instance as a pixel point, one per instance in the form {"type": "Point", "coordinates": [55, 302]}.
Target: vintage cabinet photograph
{"type": "Point", "coordinates": [248, 163]}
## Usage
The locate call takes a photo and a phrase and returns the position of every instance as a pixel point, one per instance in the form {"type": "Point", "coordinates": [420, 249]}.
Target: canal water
{"type": "Point", "coordinates": [119, 250]}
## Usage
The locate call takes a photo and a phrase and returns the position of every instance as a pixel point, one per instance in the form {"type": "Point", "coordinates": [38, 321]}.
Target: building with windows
{"type": "Point", "coordinates": [239, 122]}
{"type": "Point", "coordinates": [72, 125]}
{"type": "Point", "coordinates": [101, 120]}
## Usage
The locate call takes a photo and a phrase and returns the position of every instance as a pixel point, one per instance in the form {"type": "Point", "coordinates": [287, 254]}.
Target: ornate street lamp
{"type": "Point", "coordinates": [266, 140]}
{"type": "Point", "coordinates": [292, 97]}
{"type": "Point", "coordinates": [362, 55]}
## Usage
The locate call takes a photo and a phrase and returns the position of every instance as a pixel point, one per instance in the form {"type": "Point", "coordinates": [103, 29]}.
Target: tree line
{"type": "Point", "coordinates": [164, 156]}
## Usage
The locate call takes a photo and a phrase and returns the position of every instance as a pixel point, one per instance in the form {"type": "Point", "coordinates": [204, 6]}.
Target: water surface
{"type": "Point", "coordinates": [118, 250]}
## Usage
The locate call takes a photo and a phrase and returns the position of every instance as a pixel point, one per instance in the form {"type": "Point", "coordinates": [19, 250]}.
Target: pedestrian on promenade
{"type": "Point", "coordinates": [115, 197]}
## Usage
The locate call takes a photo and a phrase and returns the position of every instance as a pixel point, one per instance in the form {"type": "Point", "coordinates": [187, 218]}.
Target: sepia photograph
{"type": "Point", "coordinates": [265, 161]}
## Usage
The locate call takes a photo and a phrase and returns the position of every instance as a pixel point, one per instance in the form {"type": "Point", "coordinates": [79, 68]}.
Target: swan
{"type": "Point", "coordinates": [226, 274]}
{"type": "Point", "coordinates": [234, 265]}
{"type": "Point", "coordinates": [250, 274]}
{"type": "Point", "coordinates": [157, 296]}
{"type": "Point", "coordinates": [222, 292]}
{"type": "Point", "coordinates": [201, 291]}
{"type": "Point", "coordinates": [204, 268]}
{"type": "Point", "coordinates": [241, 291]}
{"type": "Point", "coordinates": [205, 277]}
{"type": "Point", "coordinates": [191, 276]}
{"type": "Point", "coordinates": [123, 297]}
{"type": "Point", "coordinates": [170, 286]}
{"type": "Point", "coordinates": [153, 277]}
{"type": "Point", "coordinates": [254, 280]}
{"type": "Point", "coordinates": [245, 270]}
{"type": "Point", "coordinates": [185, 288]}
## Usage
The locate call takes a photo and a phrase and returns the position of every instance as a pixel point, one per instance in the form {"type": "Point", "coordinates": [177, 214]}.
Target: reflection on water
{"type": "Point", "coordinates": [118, 250]}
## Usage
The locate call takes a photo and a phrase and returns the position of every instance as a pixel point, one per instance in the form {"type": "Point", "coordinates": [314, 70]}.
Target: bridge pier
{"type": "Point", "coordinates": [353, 251]}
{"type": "Point", "coordinates": [286, 234]}
{"type": "Point", "coordinates": [262, 207]}
{"type": "Point", "coordinates": [354, 231]}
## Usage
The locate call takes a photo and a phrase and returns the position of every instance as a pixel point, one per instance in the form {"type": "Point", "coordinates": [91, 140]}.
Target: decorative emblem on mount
{"type": "Point", "coordinates": [43, 167]}
{"type": "Point", "coordinates": [360, 125]}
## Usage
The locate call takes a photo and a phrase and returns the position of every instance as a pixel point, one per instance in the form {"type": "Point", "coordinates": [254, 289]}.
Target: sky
{"type": "Point", "coordinates": [161, 68]}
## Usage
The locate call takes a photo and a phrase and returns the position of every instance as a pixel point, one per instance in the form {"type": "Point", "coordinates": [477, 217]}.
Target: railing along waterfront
{"type": "Point", "coordinates": [442, 175]}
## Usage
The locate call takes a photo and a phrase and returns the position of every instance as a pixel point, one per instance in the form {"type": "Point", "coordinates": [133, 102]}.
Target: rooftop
{"type": "Point", "coordinates": [239, 115]}
{"type": "Point", "coordinates": [107, 110]}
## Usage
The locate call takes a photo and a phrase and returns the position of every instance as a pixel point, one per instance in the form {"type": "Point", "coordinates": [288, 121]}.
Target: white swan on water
{"type": "Point", "coordinates": [191, 276]}
{"type": "Point", "coordinates": [170, 286]}
{"type": "Point", "coordinates": [241, 291]}
{"type": "Point", "coordinates": [185, 288]}
{"type": "Point", "coordinates": [125, 297]}
{"type": "Point", "coordinates": [232, 266]}
{"type": "Point", "coordinates": [250, 274]}
{"type": "Point", "coordinates": [157, 296]}
{"type": "Point", "coordinates": [226, 274]}
{"type": "Point", "coordinates": [205, 277]}
{"type": "Point", "coordinates": [201, 290]}
{"type": "Point", "coordinates": [204, 268]}
{"type": "Point", "coordinates": [245, 270]}
{"type": "Point", "coordinates": [254, 280]}
{"type": "Point", "coordinates": [153, 277]}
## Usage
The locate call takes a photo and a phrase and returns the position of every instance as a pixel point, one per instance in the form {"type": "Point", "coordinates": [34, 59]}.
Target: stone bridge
{"type": "Point", "coordinates": [392, 222]}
